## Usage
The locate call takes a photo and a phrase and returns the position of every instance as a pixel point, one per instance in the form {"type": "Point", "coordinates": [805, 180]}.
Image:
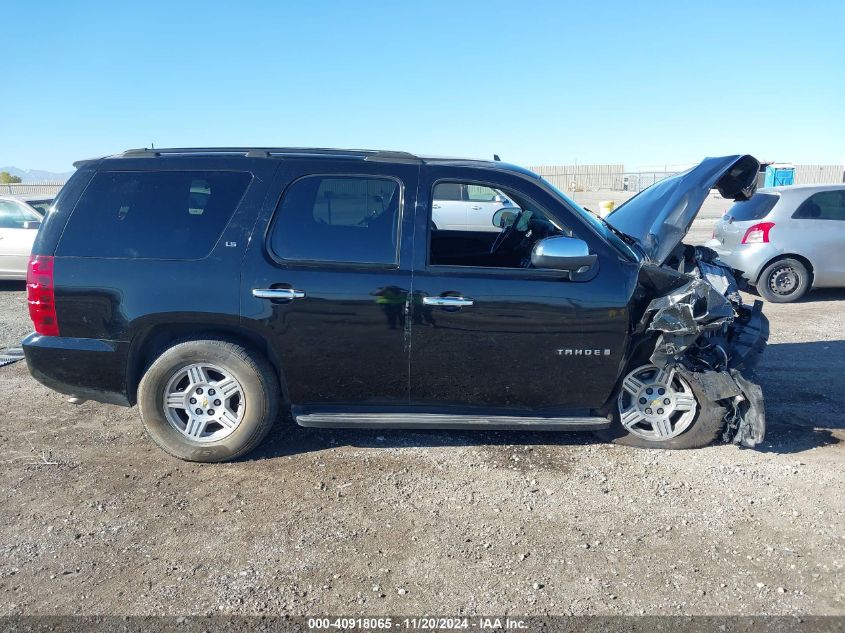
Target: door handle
{"type": "Point", "coordinates": [448, 302]}
{"type": "Point", "coordinates": [475, 208]}
{"type": "Point", "coordinates": [278, 293]}
{"type": "Point", "coordinates": [435, 206]}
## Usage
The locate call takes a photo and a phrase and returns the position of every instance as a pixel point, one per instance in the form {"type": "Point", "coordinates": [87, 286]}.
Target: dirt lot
{"type": "Point", "coordinates": [95, 520]}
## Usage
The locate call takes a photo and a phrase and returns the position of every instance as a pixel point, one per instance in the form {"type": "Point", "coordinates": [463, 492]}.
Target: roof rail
{"type": "Point", "coordinates": [140, 151]}
{"type": "Point", "coordinates": [366, 154]}
{"type": "Point", "coordinates": [389, 156]}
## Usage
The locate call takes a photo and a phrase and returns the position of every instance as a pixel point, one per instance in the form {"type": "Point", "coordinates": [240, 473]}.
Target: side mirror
{"type": "Point", "coordinates": [562, 253]}
{"type": "Point", "coordinates": [33, 224]}
{"type": "Point", "coordinates": [504, 218]}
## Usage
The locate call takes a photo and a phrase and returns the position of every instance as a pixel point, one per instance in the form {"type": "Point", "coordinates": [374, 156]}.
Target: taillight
{"type": "Point", "coordinates": [758, 234]}
{"type": "Point", "coordinates": [40, 295]}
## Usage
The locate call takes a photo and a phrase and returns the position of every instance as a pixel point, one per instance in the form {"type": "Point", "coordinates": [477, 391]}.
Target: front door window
{"type": "Point", "coordinates": [517, 222]}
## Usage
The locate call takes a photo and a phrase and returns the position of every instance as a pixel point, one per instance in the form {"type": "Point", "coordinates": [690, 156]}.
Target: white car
{"type": "Point", "coordinates": [39, 201]}
{"type": "Point", "coordinates": [461, 207]}
{"type": "Point", "coordinates": [19, 224]}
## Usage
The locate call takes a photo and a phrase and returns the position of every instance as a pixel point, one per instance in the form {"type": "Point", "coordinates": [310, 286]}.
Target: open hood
{"type": "Point", "coordinates": [660, 216]}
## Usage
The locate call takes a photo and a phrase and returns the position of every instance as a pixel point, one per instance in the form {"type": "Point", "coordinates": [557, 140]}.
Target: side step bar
{"type": "Point", "coordinates": [347, 420]}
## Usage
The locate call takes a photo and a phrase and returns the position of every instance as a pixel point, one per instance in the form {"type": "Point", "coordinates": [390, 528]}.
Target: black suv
{"type": "Point", "coordinates": [217, 287]}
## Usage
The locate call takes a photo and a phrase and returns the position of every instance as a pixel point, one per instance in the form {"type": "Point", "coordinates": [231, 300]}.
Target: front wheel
{"type": "Point", "coordinates": [658, 408]}
{"type": "Point", "coordinates": [784, 281]}
{"type": "Point", "coordinates": [208, 400]}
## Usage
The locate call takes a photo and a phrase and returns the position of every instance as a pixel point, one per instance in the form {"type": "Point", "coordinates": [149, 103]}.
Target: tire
{"type": "Point", "coordinates": [244, 410]}
{"type": "Point", "coordinates": [706, 426]}
{"type": "Point", "coordinates": [784, 281]}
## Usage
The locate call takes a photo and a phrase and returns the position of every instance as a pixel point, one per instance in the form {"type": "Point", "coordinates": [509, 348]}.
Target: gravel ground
{"type": "Point", "coordinates": [14, 320]}
{"type": "Point", "coordinates": [95, 520]}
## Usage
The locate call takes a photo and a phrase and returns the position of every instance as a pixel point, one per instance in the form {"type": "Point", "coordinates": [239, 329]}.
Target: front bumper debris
{"type": "Point", "coordinates": [705, 331]}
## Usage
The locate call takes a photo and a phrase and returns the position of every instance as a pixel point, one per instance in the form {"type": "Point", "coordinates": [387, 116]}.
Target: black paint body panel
{"type": "Point", "coordinates": [361, 336]}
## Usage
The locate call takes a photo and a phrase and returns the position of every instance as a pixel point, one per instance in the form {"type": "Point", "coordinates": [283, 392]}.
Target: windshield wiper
{"type": "Point", "coordinates": [622, 236]}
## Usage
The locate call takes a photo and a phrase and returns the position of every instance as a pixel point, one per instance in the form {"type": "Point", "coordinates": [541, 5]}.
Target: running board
{"type": "Point", "coordinates": [340, 420]}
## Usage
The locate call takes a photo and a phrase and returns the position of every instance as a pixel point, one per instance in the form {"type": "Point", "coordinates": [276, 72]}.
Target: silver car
{"type": "Point", "coordinates": [786, 240]}
{"type": "Point", "coordinates": [19, 224]}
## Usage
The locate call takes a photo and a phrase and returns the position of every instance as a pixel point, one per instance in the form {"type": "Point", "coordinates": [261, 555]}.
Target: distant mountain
{"type": "Point", "coordinates": [37, 175]}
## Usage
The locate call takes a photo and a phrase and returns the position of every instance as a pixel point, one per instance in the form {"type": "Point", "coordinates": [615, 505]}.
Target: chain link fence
{"type": "Point", "coordinates": [575, 178]}
{"type": "Point", "coordinates": [30, 188]}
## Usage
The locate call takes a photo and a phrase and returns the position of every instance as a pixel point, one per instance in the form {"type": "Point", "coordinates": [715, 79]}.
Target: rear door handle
{"type": "Point", "coordinates": [475, 208]}
{"type": "Point", "coordinates": [448, 302]}
{"type": "Point", "coordinates": [435, 206]}
{"type": "Point", "coordinates": [278, 293]}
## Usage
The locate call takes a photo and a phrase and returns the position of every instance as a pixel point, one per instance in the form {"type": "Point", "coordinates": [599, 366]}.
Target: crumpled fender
{"type": "Point", "coordinates": [707, 334]}
{"type": "Point", "coordinates": [745, 412]}
{"type": "Point", "coordinates": [682, 315]}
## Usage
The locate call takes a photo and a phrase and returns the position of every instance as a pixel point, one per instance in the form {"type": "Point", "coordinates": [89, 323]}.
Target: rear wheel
{"type": "Point", "coordinates": [784, 281]}
{"type": "Point", "coordinates": [208, 400]}
{"type": "Point", "coordinates": [658, 408]}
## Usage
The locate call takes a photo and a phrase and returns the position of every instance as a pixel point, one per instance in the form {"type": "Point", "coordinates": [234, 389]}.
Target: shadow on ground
{"type": "Point", "coordinates": [824, 294]}
{"type": "Point", "coordinates": [290, 439]}
{"type": "Point", "coordinates": [805, 394]}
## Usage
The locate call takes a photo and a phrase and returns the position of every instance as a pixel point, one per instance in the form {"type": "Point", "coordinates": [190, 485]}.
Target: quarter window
{"type": "Point", "coordinates": [825, 205]}
{"type": "Point", "coordinates": [153, 215]}
{"type": "Point", "coordinates": [352, 219]}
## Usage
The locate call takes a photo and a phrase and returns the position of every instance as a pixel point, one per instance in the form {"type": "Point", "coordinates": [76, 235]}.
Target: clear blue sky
{"type": "Point", "coordinates": [536, 82]}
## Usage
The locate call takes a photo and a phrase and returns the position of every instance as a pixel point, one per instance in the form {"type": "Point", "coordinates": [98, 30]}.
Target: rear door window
{"type": "Point", "coordinates": [757, 208]}
{"type": "Point", "coordinates": [153, 215]}
{"type": "Point", "coordinates": [40, 206]}
{"type": "Point", "coordinates": [353, 219]}
{"type": "Point", "coordinates": [825, 205]}
{"type": "Point", "coordinates": [448, 191]}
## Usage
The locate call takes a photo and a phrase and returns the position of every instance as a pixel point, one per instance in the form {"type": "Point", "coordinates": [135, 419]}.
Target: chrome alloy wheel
{"type": "Point", "coordinates": [656, 404]}
{"type": "Point", "coordinates": [784, 280]}
{"type": "Point", "coordinates": [204, 402]}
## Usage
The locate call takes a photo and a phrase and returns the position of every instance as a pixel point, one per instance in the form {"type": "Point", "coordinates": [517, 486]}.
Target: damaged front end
{"type": "Point", "coordinates": [700, 327]}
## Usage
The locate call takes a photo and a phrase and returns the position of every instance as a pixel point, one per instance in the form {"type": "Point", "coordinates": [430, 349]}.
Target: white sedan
{"type": "Point", "coordinates": [466, 207]}
{"type": "Point", "coordinates": [18, 227]}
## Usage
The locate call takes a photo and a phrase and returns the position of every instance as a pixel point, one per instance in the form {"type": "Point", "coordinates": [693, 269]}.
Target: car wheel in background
{"type": "Point", "coordinates": [783, 281]}
{"type": "Point", "coordinates": [208, 400]}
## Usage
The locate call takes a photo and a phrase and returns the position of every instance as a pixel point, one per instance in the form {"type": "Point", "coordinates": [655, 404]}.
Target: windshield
{"type": "Point", "coordinates": [596, 222]}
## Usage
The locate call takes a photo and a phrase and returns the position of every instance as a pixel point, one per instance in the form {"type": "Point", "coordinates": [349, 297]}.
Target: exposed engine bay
{"type": "Point", "coordinates": [699, 326]}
